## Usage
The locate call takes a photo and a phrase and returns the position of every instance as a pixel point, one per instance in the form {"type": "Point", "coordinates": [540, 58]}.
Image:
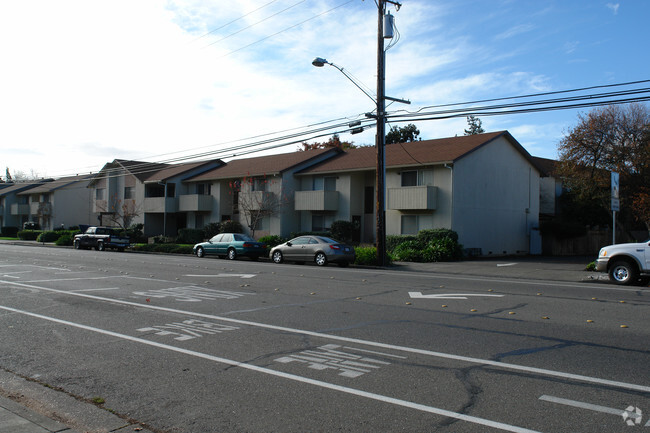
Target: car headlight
{"type": "Point", "coordinates": [602, 253]}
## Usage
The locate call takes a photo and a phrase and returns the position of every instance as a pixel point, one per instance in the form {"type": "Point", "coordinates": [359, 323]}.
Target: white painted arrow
{"type": "Point", "coordinates": [419, 295]}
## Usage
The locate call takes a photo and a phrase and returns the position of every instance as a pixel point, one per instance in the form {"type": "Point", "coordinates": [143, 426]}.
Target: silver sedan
{"type": "Point", "coordinates": [319, 249]}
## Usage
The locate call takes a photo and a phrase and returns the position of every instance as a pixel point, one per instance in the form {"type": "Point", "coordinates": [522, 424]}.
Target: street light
{"type": "Point", "coordinates": [380, 138]}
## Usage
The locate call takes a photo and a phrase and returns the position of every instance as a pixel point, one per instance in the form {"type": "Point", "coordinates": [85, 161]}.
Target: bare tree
{"type": "Point", "coordinates": [255, 201]}
{"type": "Point", "coordinates": [120, 213]}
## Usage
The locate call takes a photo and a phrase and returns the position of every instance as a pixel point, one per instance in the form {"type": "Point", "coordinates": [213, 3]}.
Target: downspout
{"type": "Point", "coordinates": [451, 201]}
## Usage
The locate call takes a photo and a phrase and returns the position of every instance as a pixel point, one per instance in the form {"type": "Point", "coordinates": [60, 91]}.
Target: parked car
{"type": "Point", "coordinates": [319, 249]}
{"type": "Point", "coordinates": [101, 238]}
{"type": "Point", "coordinates": [626, 263]}
{"type": "Point", "coordinates": [231, 245]}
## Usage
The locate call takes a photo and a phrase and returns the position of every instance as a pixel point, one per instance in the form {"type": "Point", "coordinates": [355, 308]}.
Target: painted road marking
{"type": "Point", "coordinates": [497, 364]}
{"type": "Point", "coordinates": [306, 380]}
{"type": "Point", "coordinates": [419, 295]}
{"type": "Point", "coordinates": [589, 406]}
{"type": "Point", "coordinates": [222, 275]}
{"type": "Point", "coordinates": [328, 357]}
{"type": "Point", "coordinates": [500, 265]}
{"type": "Point", "coordinates": [192, 294]}
{"type": "Point", "coordinates": [188, 329]}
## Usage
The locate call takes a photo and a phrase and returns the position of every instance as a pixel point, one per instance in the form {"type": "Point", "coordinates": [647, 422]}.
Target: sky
{"type": "Point", "coordinates": [84, 82]}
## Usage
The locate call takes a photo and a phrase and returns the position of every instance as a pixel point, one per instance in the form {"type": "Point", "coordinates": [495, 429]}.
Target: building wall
{"type": "Point", "coordinates": [496, 199]}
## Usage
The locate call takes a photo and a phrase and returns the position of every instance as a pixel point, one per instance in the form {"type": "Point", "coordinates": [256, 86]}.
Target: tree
{"type": "Point", "coordinates": [403, 134]}
{"type": "Point", "coordinates": [255, 201]}
{"type": "Point", "coordinates": [334, 141]}
{"type": "Point", "coordinates": [120, 213]}
{"type": "Point", "coordinates": [608, 139]}
{"type": "Point", "coordinates": [475, 125]}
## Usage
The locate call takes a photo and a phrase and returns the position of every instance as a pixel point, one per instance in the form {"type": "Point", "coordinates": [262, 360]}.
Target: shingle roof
{"type": "Point", "coordinates": [177, 169]}
{"type": "Point", "coordinates": [413, 153]}
{"type": "Point", "coordinates": [548, 166]}
{"type": "Point", "coordinates": [56, 184]}
{"type": "Point", "coordinates": [262, 165]}
{"type": "Point", "coordinates": [20, 186]}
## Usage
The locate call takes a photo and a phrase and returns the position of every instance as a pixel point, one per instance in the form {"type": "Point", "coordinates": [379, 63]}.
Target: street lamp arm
{"type": "Point", "coordinates": [320, 62]}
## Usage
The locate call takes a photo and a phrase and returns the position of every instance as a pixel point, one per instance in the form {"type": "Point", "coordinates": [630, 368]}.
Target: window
{"type": "Point", "coordinates": [412, 224]}
{"type": "Point", "coordinates": [204, 188]}
{"type": "Point", "coordinates": [99, 194]}
{"type": "Point", "coordinates": [171, 190]}
{"type": "Point", "coordinates": [324, 183]}
{"type": "Point", "coordinates": [320, 222]}
{"type": "Point", "coordinates": [258, 184]}
{"type": "Point", "coordinates": [302, 240]}
{"type": "Point", "coordinates": [129, 192]}
{"type": "Point", "coordinates": [369, 200]}
{"type": "Point", "coordinates": [417, 177]}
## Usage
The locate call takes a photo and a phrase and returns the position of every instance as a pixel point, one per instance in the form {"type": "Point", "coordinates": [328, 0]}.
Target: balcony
{"type": "Point", "coordinates": [195, 203]}
{"type": "Point", "coordinates": [413, 198]}
{"type": "Point", "coordinates": [257, 200]}
{"type": "Point", "coordinates": [160, 205]}
{"type": "Point", "coordinates": [41, 208]}
{"type": "Point", "coordinates": [19, 209]}
{"type": "Point", "coordinates": [317, 200]}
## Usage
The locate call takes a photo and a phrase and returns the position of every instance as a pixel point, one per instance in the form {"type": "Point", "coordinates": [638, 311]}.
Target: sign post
{"type": "Point", "coordinates": [616, 204]}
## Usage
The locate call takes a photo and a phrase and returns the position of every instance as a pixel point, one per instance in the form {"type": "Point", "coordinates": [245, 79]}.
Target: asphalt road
{"type": "Point", "coordinates": [182, 344]}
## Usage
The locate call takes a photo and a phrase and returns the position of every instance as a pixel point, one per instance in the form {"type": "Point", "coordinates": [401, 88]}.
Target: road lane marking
{"type": "Point", "coordinates": [419, 295]}
{"type": "Point", "coordinates": [487, 362]}
{"type": "Point", "coordinates": [588, 406]}
{"type": "Point", "coordinates": [501, 265]}
{"type": "Point", "coordinates": [222, 275]}
{"type": "Point", "coordinates": [306, 380]}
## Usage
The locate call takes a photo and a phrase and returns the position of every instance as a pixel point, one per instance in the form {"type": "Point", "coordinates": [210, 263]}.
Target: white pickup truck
{"type": "Point", "coordinates": [626, 263]}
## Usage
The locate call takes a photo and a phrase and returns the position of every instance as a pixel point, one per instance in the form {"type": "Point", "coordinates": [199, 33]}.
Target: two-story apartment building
{"type": "Point", "coordinates": [130, 192]}
{"type": "Point", "coordinates": [259, 192]}
{"type": "Point", "coordinates": [62, 202]}
{"type": "Point", "coordinates": [15, 209]}
{"type": "Point", "coordinates": [485, 187]}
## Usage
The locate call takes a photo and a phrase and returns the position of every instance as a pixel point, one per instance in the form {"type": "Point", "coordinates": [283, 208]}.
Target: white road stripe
{"type": "Point", "coordinates": [589, 406]}
{"type": "Point", "coordinates": [344, 389]}
{"type": "Point", "coordinates": [535, 370]}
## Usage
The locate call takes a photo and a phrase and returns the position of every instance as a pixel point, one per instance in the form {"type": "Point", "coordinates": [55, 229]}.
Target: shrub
{"type": "Point", "coordinates": [49, 236]}
{"type": "Point", "coordinates": [231, 226]}
{"type": "Point", "coordinates": [392, 241]}
{"type": "Point", "coordinates": [343, 230]}
{"type": "Point", "coordinates": [365, 256]}
{"type": "Point", "coordinates": [190, 236]}
{"type": "Point", "coordinates": [211, 229]}
{"type": "Point", "coordinates": [65, 240]}
{"type": "Point", "coordinates": [135, 233]}
{"type": "Point", "coordinates": [442, 250]}
{"type": "Point", "coordinates": [28, 235]}
{"type": "Point", "coordinates": [10, 232]}
{"type": "Point", "coordinates": [426, 236]}
{"type": "Point", "coordinates": [409, 251]}
{"type": "Point", "coordinates": [272, 240]}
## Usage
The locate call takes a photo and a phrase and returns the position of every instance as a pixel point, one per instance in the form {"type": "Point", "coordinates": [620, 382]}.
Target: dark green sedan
{"type": "Point", "coordinates": [231, 245]}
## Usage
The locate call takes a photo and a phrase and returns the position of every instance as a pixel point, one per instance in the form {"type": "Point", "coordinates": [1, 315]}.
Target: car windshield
{"type": "Point", "coordinates": [243, 237]}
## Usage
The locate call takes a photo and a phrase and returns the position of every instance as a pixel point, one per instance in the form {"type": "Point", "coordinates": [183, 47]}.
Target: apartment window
{"type": "Point", "coordinates": [171, 190]}
{"type": "Point", "coordinates": [417, 177]}
{"type": "Point", "coordinates": [324, 183]}
{"type": "Point", "coordinates": [412, 224]}
{"type": "Point", "coordinates": [369, 200]}
{"type": "Point", "coordinates": [204, 188]}
{"type": "Point", "coordinates": [258, 184]}
{"type": "Point", "coordinates": [99, 194]}
{"type": "Point", "coordinates": [320, 222]}
{"type": "Point", "coordinates": [129, 193]}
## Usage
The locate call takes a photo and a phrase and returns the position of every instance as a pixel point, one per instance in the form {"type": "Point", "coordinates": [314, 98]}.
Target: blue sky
{"type": "Point", "coordinates": [84, 81]}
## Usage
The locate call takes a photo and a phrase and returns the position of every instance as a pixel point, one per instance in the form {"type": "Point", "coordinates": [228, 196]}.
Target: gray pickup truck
{"type": "Point", "coordinates": [626, 263]}
{"type": "Point", "coordinates": [100, 238]}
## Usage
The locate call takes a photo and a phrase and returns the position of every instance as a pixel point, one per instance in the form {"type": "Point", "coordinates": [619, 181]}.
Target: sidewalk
{"type": "Point", "coordinates": [30, 407]}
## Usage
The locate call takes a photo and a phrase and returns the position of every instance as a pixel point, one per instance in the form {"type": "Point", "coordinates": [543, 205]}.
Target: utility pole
{"type": "Point", "coordinates": [380, 141]}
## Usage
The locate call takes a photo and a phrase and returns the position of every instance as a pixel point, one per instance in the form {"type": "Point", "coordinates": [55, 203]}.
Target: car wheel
{"type": "Point", "coordinates": [100, 246]}
{"type": "Point", "coordinates": [77, 245]}
{"type": "Point", "coordinates": [232, 254]}
{"type": "Point", "coordinates": [277, 257]}
{"type": "Point", "coordinates": [623, 272]}
{"type": "Point", "coordinates": [320, 259]}
{"type": "Point", "coordinates": [200, 252]}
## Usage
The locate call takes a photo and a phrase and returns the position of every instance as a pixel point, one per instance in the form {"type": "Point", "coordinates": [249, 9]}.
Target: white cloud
{"type": "Point", "coordinates": [613, 7]}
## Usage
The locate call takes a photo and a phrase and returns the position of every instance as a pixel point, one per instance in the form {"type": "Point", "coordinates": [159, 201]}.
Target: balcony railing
{"type": "Point", "coordinates": [317, 200]}
{"type": "Point", "coordinates": [19, 209]}
{"type": "Point", "coordinates": [195, 203]}
{"type": "Point", "coordinates": [413, 198]}
{"type": "Point", "coordinates": [160, 204]}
